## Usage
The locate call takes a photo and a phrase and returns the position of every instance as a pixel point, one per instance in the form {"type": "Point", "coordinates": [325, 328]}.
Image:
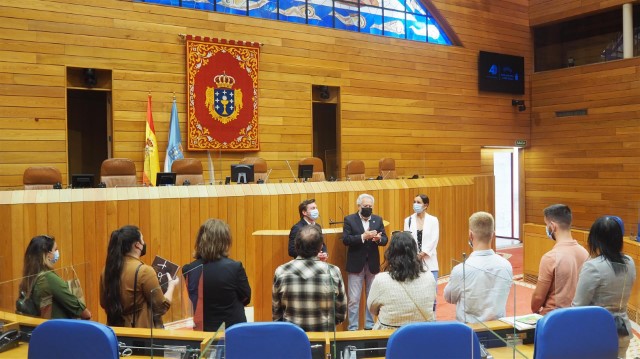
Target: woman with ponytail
{"type": "Point", "coordinates": [129, 289]}
{"type": "Point", "coordinates": [50, 294]}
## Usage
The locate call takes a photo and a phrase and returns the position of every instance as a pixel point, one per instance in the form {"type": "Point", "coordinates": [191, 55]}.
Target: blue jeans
{"type": "Point", "coordinates": [355, 293]}
{"type": "Point", "coordinates": [435, 276]}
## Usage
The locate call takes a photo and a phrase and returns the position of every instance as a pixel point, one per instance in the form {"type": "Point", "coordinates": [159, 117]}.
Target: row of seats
{"type": "Point", "coordinates": [121, 172]}
{"type": "Point", "coordinates": [568, 333]}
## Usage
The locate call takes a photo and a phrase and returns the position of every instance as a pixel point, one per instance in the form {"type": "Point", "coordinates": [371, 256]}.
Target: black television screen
{"type": "Point", "coordinates": [82, 180]}
{"type": "Point", "coordinates": [305, 171]}
{"type": "Point", "coordinates": [500, 73]}
{"type": "Point", "coordinates": [242, 173]}
{"type": "Point", "coordinates": [165, 179]}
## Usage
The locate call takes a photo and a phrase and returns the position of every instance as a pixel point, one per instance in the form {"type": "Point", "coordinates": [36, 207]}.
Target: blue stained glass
{"type": "Point", "coordinates": [401, 18]}
{"type": "Point", "coordinates": [236, 7]}
{"type": "Point", "coordinates": [394, 24]}
{"type": "Point", "coordinates": [197, 4]}
{"type": "Point", "coordinates": [265, 9]}
{"type": "Point", "coordinates": [394, 5]}
{"type": "Point", "coordinates": [416, 27]}
{"type": "Point", "coordinates": [435, 33]}
{"type": "Point", "coordinates": [320, 12]}
{"type": "Point", "coordinates": [293, 11]}
{"type": "Point", "coordinates": [372, 20]}
{"type": "Point", "coordinates": [347, 17]}
{"type": "Point", "coordinates": [414, 6]}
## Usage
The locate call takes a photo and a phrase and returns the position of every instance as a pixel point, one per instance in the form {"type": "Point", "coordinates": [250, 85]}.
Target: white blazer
{"type": "Point", "coordinates": [430, 237]}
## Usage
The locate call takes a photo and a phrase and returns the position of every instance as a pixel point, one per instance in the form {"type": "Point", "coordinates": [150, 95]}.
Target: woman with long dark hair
{"type": "Point", "coordinates": [405, 292]}
{"type": "Point", "coordinates": [221, 282]}
{"type": "Point", "coordinates": [49, 292]}
{"type": "Point", "coordinates": [129, 289]}
{"type": "Point", "coordinates": [607, 277]}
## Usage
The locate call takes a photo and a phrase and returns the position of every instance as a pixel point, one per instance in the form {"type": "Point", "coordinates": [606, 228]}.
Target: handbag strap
{"type": "Point", "coordinates": [135, 289]}
{"type": "Point", "coordinates": [414, 302]}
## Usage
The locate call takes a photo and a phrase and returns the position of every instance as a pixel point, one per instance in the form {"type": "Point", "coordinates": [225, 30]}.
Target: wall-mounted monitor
{"type": "Point", "coordinates": [500, 73]}
{"type": "Point", "coordinates": [165, 179]}
{"type": "Point", "coordinates": [305, 172]}
{"type": "Point", "coordinates": [242, 173]}
{"type": "Point", "coordinates": [84, 180]}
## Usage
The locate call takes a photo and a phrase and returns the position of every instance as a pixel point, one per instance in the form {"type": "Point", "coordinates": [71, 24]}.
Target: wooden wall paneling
{"type": "Point", "coordinates": [544, 11]}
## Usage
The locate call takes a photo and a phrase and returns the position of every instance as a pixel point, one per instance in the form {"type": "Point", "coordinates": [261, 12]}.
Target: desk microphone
{"type": "Point", "coordinates": [332, 222]}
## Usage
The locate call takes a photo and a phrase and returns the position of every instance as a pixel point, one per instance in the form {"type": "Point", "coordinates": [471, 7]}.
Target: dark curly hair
{"type": "Point", "coordinates": [401, 258]}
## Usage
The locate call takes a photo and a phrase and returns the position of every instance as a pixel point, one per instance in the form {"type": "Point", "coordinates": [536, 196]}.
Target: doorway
{"type": "Point", "coordinates": [326, 125]}
{"type": "Point", "coordinates": [88, 131]}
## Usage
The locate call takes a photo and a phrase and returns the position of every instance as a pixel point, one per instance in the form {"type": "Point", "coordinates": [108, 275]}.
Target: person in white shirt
{"type": "Point", "coordinates": [480, 286]}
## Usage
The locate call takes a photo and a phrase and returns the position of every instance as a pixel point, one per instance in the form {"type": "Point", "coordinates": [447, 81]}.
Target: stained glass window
{"type": "Point", "coordinates": [403, 19]}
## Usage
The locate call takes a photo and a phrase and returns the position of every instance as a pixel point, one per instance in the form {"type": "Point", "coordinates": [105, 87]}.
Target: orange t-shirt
{"type": "Point", "coordinates": [561, 267]}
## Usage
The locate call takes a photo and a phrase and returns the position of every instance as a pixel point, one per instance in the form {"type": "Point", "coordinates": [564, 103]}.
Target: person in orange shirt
{"type": "Point", "coordinates": [560, 267]}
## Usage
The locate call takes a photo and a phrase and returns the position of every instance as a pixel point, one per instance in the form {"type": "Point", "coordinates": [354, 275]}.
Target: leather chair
{"type": "Point", "coordinates": [118, 172]}
{"type": "Point", "coordinates": [576, 333]}
{"type": "Point", "coordinates": [260, 170]}
{"type": "Point", "coordinates": [188, 169]}
{"type": "Point", "coordinates": [433, 340]}
{"type": "Point", "coordinates": [266, 340]}
{"type": "Point", "coordinates": [71, 339]}
{"type": "Point", "coordinates": [41, 177]}
{"type": "Point", "coordinates": [387, 168]}
{"type": "Point", "coordinates": [318, 168]}
{"type": "Point", "coordinates": [354, 170]}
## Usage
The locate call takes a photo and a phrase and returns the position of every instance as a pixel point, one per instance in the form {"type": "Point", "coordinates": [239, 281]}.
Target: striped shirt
{"type": "Point", "coordinates": [304, 294]}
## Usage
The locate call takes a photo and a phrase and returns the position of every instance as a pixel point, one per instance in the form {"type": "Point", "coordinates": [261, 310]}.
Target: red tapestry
{"type": "Point", "coordinates": [222, 95]}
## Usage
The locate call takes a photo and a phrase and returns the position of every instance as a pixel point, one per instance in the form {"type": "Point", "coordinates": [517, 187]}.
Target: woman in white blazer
{"type": "Point", "coordinates": [425, 230]}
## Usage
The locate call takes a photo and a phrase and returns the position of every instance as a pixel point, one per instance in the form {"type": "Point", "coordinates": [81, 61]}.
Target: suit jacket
{"type": "Point", "coordinates": [225, 291]}
{"type": "Point", "coordinates": [359, 253]}
{"type": "Point", "coordinates": [292, 237]}
{"type": "Point", "coordinates": [430, 237]}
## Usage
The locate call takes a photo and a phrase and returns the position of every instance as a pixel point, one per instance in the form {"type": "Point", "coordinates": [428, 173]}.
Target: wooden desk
{"type": "Point", "coordinates": [523, 351]}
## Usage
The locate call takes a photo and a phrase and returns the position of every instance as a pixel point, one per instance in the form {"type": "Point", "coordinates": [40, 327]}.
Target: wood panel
{"type": "Point", "coordinates": [169, 218]}
{"type": "Point", "coordinates": [536, 244]}
{"type": "Point", "coordinates": [419, 102]}
{"type": "Point", "coordinates": [590, 163]}
{"type": "Point", "coordinates": [547, 11]}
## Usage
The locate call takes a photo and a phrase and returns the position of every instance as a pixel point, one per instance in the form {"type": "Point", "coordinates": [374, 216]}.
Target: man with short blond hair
{"type": "Point", "coordinates": [479, 287]}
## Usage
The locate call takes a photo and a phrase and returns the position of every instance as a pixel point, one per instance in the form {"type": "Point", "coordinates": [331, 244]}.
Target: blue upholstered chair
{"type": "Point", "coordinates": [451, 340]}
{"type": "Point", "coordinates": [576, 333]}
{"type": "Point", "coordinates": [70, 339]}
{"type": "Point", "coordinates": [266, 340]}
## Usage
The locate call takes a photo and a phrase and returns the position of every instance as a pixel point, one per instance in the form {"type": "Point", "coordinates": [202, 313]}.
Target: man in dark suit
{"type": "Point", "coordinates": [308, 214]}
{"type": "Point", "coordinates": [363, 233]}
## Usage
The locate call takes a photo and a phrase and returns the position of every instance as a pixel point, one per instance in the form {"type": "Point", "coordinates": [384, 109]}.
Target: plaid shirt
{"type": "Point", "coordinates": [304, 294]}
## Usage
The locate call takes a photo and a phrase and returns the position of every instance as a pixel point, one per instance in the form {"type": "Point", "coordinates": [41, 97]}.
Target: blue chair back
{"type": "Point", "coordinates": [267, 340]}
{"type": "Point", "coordinates": [70, 339]}
{"type": "Point", "coordinates": [576, 333]}
{"type": "Point", "coordinates": [451, 340]}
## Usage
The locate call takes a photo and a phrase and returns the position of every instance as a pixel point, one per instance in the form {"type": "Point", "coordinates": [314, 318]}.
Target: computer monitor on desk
{"type": "Point", "coordinates": [305, 172]}
{"type": "Point", "coordinates": [242, 173]}
{"type": "Point", "coordinates": [165, 179]}
{"type": "Point", "coordinates": [82, 180]}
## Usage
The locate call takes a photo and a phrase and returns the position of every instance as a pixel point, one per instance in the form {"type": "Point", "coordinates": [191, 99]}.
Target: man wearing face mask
{"type": "Point", "coordinates": [560, 267]}
{"type": "Point", "coordinates": [363, 233]}
{"type": "Point", "coordinates": [308, 215]}
{"type": "Point", "coordinates": [480, 286]}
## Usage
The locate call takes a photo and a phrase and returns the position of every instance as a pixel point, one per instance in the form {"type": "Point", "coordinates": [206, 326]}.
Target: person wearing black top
{"type": "Point", "coordinates": [308, 215]}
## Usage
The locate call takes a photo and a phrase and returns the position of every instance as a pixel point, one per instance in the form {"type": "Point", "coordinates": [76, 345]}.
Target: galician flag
{"type": "Point", "coordinates": [151, 161]}
{"type": "Point", "coordinates": [174, 147]}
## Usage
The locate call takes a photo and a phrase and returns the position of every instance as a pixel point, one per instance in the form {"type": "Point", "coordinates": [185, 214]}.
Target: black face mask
{"type": "Point", "coordinates": [144, 250]}
{"type": "Point", "coordinates": [366, 212]}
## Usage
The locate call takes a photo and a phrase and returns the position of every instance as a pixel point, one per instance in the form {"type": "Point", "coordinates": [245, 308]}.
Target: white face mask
{"type": "Point", "coordinates": [314, 214]}
{"type": "Point", "coordinates": [418, 208]}
{"type": "Point", "coordinates": [56, 257]}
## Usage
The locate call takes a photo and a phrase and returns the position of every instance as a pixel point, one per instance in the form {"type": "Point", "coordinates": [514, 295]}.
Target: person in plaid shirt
{"type": "Point", "coordinates": [307, 291]}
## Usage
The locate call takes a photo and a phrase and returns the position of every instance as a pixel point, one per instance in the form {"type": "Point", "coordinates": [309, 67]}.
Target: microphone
{"type": "Point", "coordinates": [332, 222]}
{"type": "Point", "coordinates": [268, 174]}
{"type": "Point", "coordinates": [290, 170]}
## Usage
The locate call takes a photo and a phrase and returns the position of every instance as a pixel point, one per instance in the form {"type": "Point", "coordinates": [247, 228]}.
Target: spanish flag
{"type": "Point", "coordinates": [151, 161]}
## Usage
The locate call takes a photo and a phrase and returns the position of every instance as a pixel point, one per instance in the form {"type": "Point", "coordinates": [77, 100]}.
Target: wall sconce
{"type": "Point", "coordinates": [520, 104]}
